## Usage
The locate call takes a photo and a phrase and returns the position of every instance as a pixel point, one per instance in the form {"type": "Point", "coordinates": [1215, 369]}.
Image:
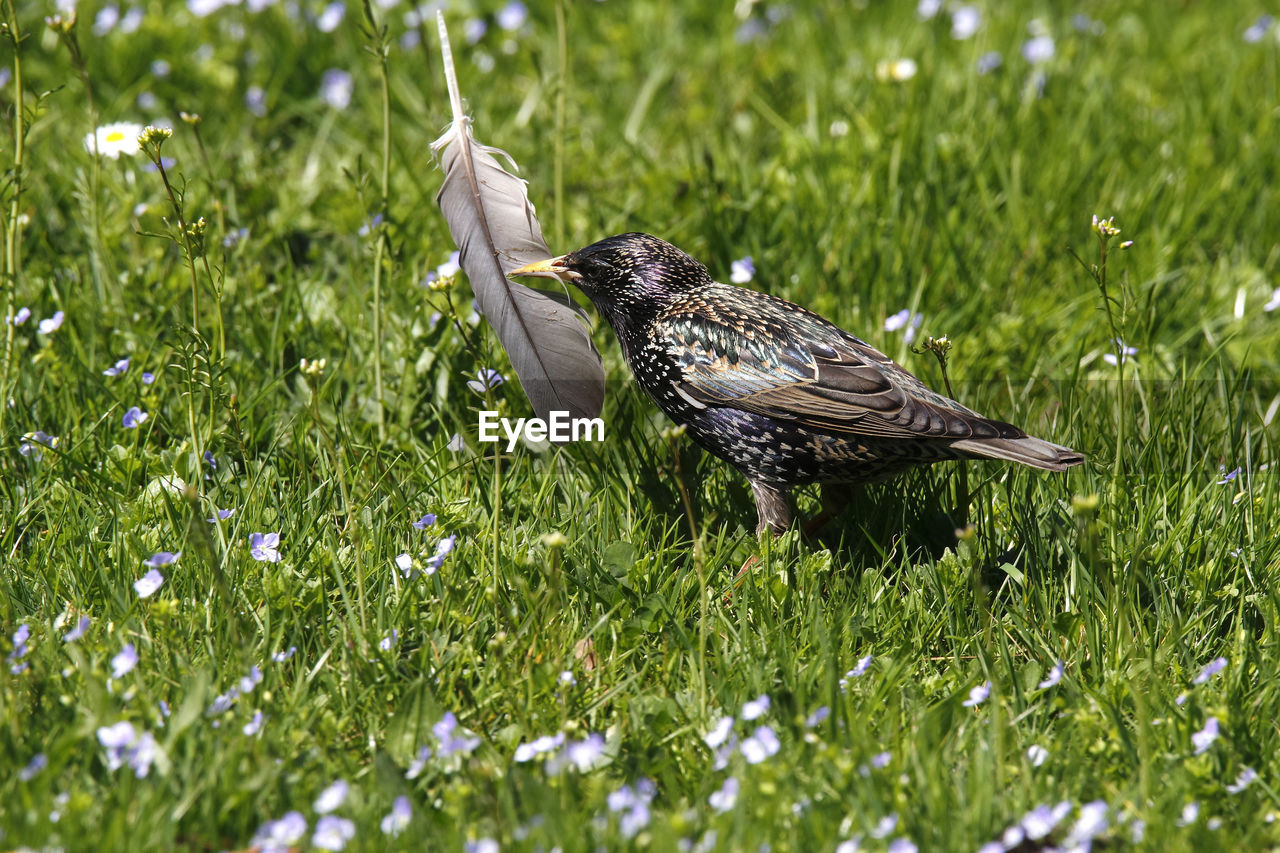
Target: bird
{"type": "Point", "coordinates": [782, 394]}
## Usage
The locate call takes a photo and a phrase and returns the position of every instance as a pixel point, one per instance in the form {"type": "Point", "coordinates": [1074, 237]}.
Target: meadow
{"type": "Point", "coordinates": [263, 588]}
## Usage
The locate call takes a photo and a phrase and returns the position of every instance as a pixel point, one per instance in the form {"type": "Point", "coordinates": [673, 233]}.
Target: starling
{"type": "Point", "coordinates": [782, 394]}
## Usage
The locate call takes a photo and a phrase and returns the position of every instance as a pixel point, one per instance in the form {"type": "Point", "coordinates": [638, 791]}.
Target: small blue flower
{"type": "Point", "coordinates": [1054, 676]}
{"type": "Point", "coordinates": [161, 558]}
{"type": "Point", "coordinates": [336, 87]}
{"type": "Point", "coordinates": [1247, 776]}
{"type": "Point", "coordinates": [255, 101]}
{"type": "Point", "coordinates": [762, 744]}
{"type": "Point", "coordinates": [513, 16]}
{"type": "Point", "coordinates": [254, 726]}
{"type": "Point", "coordinates": [147, 585]}
{"type": "Point", "coordinates": [451, 743]}
{"type": "Point", "coordinates": [1258, 30]}
{"type": "Point", "coordinates": [426, 521]}
{"type": "Point", "coordinates": [30, 445]}
{"type": "Point", "coordinates": [1211, 669]}
{"type": "Point", "coordinates": [51, 324]}
{"type": "Point", "coordinates": [148, 377]}
{"type": "Point", "coordinates": [727, 797]}
{"type": "Point", "coordinates": [1039, 49]}
{"type": "Point", "coordinates": [210, 460]}
{"type": "Point", "coordinates": [474, 29]}
{"type": "Point", "coordinates": [978, 695]}
{"type": "Point", "coordinates": [480, 845]}
{"type": "Point", "coordinates": [333, 833]}
{"type": "Point", "coordinates": [332, 797]}
{"type": "Point", "coordinates": [395, 822]}
{"type": "Point", "coordinates": [817, 717]}
{"type": "Point", "coordinates": [1204, 738]}
{"type": "Point", "coordinates": [742, 270]}
{"type": "Point", "coordinates": [487, 378]}
{"type": "Point", "coordinates": [37, 763]}
{"type": "Point", "coordinates": [719, 732]}
{"type": "Point", "coordinates": [21, 316]}
{"type": "Point", "coordinates": [281, 657]}
{"type": "Point", "coordinates": [265, 547]}
{"type": "Point", "coordinates": [755, 708]}
{"type": "Point", "coordinates": [251, 680]}
{"type": "Point", "coordinates": [419, 763]}
{"type": "Point", "coordinates": [989, 61]}
{"type": "Point", "coordinates": [388, 642]}
{"type": "Point", "coordinates": [370, 225]}
{"type": "Point", "coordinates": [81, 628]}
{"type": "Point", "coordinates": [124, 662]}
{"type": "Point", "coordinates": [219, 515]}
{"type": "Point", "coordinates": [1229, 476]}
{"type": "Point", "coordinates": [906, 320]}
{"type": "Point", "coordinates": [280, 835]}
{"type": "Point", "coordinates": [443, 548]}
{"type": "Point", "coordinates": [118, 368]}
{"type": "Point", "coordinates": [134, 418]}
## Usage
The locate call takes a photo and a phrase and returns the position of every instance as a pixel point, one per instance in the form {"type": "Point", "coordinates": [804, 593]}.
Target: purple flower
{"type": "Point", "coordinates": [978, 695]}
{"type": "Point", "coordinates": [418, 764]}
{"type": "Point", "coordinates": [254, 726]}
{"type": "Point", "coordinates": [719, 732]}
{"type": "Point", "coordinates": [51, 324]}
{"type": "Point", "coordinates": [118, 368]}
{"type": "Point", "coordinates": [404, 562]}
{"type": "Point", "coordinates": [251, 680]}
{"type": "Point", "coordinates": [965, 21]}
{"type": "Point", "coordinates": [1229, 476]}
{"type": "Point", "coordinates": [902, 845]}
{"type": "Point", "coordinates": [20, 648]}
{"type": "Point", "coordinates": [1121, 355]}
{"type": "Point", "coordinates": [474, 29]}
{"type": "Point", "coordinates": [395, 822]}
{"type": "Point", "coordinates": [81, 628]}
{"type": "Point", "coordinates": [148, 377]}
{"type": "Point", "coordinates": [147, 585]}
{"type": "Point", "coordinates": [37, 763]}
{"type": "Point", "coordinates": [1247, 776]}
{"type": "Point", "coordinates": [255, 101]}
{"type": "Point", "coordinates": [124, 662]}
{"type": "Point", "coordinates": [1204, 738]}
{"type": "Point", "coordinates": [370, 225]}
{"type": "Point", "coordinates": [450, 267]}
{"type": "Point", "coordinates": [1054, 676]}
{"type": "Point", "coordinates": [905, 319]}
{"type": "Point", "coordinates": [451, 743]}
{"type": "Point", "coordinates": [21, 316]}
{"type": "Point", "coordinates": [134, 418]}
{"type": "Point", "coordinates": [762, 744]}
{"type": "Point", "coordinates": [335, 88]}
{"type": "Point", "coordinates": [817, 717]}
{"type": "Point", "coordinates": [1037, 754]}
{"type": "Point", "coordinates": [1258, 30]}
{"type": "Point", "coordinates": [30, 445]}
{"type": "Point", "coordinates": [219, 515]}
{"type": "Point", "coordinates": [1038, 49]}
{"type": "Point", "coordinates": [480, 845]}
{"type": "Point", "coordinates": [279, 835]}
{"type": "Point", "coordinates": [333, 833]}
{"type": "Point", "coordinates": [585, 754]}
{"type": "Point", "coordinates": [727, 797]}
{"type": "Point", "coordinates": [989, 61]}
{"type": "Point", "coordinates": [265, 547]}
{"type": "Point", "coordinates": [1091, 823]}
{"type": "Point", "coordinates": [331, 797]}
{"type": "Point", "coordinates": [927, 9]}
{"type": "Point", "coordinates": [443, 548]}
{"type": "Point", "coordinates": [487, 378]}
{"type": "Point", "coordinates": [331, 17]}
{"type": "Point", "coordinates": [161, 558]}
{"type": "Point", "coordinates": [1211, 669]}
{"type": "Point", "coordinates": [388, 642]}
{"type": "Point", "coordinates": [755, 708]}
{"type": "Point", "coordinates": [281, 657]}
{"type": "Point", "coordinates": [1272, 304]}
{"type": "Point", "coordinates": [513, 16]}
{"type": "Point", "coordinates": [742, 270]}
{"type": "Point", "coordinates": [210, 460]}
{"type": "Point", "coordinates": [426, 521]}
{"type": "Point", "coordinates": [116, 740]}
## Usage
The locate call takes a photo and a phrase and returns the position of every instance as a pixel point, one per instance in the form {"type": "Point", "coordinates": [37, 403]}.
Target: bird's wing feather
{"type": "Point", "coordinates": [752, 351]}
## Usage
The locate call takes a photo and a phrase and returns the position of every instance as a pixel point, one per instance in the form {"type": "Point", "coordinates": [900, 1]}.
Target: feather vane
{"type": "Point", "coordinates": [546, 335]}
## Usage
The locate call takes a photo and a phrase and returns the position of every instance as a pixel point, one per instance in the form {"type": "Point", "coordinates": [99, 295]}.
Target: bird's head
{"type": "Point", "coordinates": [625, 272]}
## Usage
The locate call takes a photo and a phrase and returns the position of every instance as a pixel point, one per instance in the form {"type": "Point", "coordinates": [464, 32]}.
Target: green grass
{"type": "Point", "coordinates": [956, 194]}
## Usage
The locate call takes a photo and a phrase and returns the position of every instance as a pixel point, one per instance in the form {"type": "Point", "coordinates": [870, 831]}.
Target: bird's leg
{"type": "Point", "coordinates": [772, 513]}
{"type": "Point", "coordinates": [831, 506]}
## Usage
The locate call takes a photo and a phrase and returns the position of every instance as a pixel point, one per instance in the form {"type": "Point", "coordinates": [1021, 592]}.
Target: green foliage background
{"type": "Point", "coordinates": [956, 194]}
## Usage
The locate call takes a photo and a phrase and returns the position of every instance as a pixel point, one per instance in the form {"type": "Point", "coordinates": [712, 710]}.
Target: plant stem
{"type": "Point", "coordinates": [12, 261]}
{"type": "Point", "coordinates": [562, 61]}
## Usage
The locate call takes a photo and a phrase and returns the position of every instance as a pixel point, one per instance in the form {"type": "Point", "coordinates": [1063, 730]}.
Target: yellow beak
{"type": "Point", "coordinates": [550, 268]}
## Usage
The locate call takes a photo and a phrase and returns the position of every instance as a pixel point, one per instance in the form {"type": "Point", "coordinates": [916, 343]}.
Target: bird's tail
{"type": "Point", "coordinates": [1028, 450]}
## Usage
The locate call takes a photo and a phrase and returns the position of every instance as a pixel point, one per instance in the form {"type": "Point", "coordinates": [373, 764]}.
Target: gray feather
{"type": "Point", "coordinates": [546, 335]}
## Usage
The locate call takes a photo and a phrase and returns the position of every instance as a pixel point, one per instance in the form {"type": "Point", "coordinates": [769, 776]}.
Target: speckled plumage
{"type": "Point", "coordinates": [782, 394]}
